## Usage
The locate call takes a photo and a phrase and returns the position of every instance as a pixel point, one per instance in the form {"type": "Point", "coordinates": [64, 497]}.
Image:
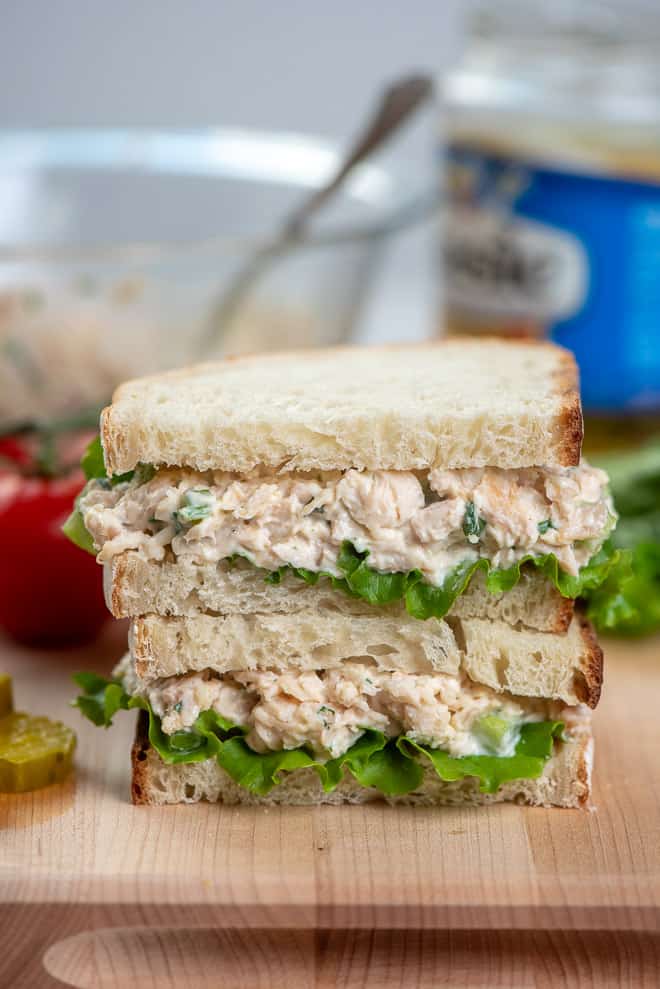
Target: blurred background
{"type": "Point", "coordinates": [301, 69]}
{"type": "Point", "coordinates": [151, 153]}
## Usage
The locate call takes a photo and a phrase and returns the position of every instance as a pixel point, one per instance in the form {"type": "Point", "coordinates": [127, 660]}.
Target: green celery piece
{"type": "Point", "coordinates": [197, 505]}
{"type": "Point", "coordinates": [492, 730]}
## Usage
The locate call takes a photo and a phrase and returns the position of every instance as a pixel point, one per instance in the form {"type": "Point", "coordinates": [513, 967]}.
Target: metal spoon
{"type": "Point", "coordinates": [397, 104]}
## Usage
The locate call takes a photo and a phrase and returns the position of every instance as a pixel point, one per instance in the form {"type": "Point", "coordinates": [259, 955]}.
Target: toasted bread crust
{"type": "Point", "coordinates": [140, 647]}
{"type": "Point", "coordinates": [562, 617]}
{"type": "Point", "coordinates": [114, 585]}
{"type": "Point", "coordinates": [588, 687]}
{"type": "Point", "coordinates": [570, 429]}
{"type": "Point", "coordinates": [139, 762]}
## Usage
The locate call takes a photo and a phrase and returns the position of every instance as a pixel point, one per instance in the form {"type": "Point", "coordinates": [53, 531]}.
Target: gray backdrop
{"type": "Point", "coordinates": [294, 64]}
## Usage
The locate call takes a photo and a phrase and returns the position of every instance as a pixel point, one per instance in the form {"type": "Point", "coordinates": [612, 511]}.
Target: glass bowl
{"type": "Point", "coordinates": [117, 246]}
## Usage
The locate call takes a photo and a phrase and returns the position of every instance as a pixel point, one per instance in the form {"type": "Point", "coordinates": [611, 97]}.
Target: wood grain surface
{"type": "Point", "coordinates": [96, 892]}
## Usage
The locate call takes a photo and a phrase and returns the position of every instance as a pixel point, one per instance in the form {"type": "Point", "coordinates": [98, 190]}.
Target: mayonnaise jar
{"type": "Point", "coordinates": [553, 181]}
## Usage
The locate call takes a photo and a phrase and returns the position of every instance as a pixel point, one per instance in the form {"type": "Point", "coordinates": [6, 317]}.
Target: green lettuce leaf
{"type": "Point", "coordinates": [92, 460]}
{"type": "Point", "coordinates": [260, 771]}
{"type": "Point", "coordinates": [100, 698]}
{"type": "Point", "coordinates": [532, 752]}
{"type": "Point", "coordinates": [372, 760]}
{"type": "Point", "coordinates": [309, 576]}
{"type": "Point", "coordinates": [74, 530]}
{"type": "Point", "coordinates": [386, 768]}
{"type": "Point", "coordinates": [93, 467]}
{"type": "Point", "coordinates": [390, 766]}
{"type": "Point", "coordinates": [423, 600]}
{"type": "Point", "coordinates": [203, 741]}
{"type": "Point", "coordinates": [628, 603]}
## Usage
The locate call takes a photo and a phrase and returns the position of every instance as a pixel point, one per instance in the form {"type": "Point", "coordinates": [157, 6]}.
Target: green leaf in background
{"type": "Point", "coordinates": [635, 484]}
{"type": "Point", "coordinates": [390, 766]}
{"type": "Point", "coordinates": [629, 603]}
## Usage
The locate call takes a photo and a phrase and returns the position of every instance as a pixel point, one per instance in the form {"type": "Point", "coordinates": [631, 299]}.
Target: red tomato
{"type": "Point", "coordinates": [15, 450]}
{"type": "Point", "coordinates": [51, 592]}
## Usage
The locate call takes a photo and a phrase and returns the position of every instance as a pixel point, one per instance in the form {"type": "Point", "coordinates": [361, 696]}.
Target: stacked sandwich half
{"type": "Point", "coordinates": [351, 574]}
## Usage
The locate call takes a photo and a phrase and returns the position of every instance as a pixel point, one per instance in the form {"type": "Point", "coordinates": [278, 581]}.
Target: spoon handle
{"type": "Point", "coordinates": [398, 102]}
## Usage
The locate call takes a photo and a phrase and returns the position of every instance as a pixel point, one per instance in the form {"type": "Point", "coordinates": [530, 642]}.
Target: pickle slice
{"type": "Point", "coordinates": [6, 702]}
{"type": "Point", "coordinates": [34, 752]}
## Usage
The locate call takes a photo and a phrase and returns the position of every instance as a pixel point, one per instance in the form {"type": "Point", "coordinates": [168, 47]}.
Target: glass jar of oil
{"type": "Point", "coordinates": [553, 179]}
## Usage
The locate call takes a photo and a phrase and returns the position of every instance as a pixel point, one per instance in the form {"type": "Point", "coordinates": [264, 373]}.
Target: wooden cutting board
{"type": "Point", "coordinates": [96, 892]}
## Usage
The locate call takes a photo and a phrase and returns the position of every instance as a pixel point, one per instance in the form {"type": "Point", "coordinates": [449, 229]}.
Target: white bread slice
{"type": "Point", "coordinates": [454, 403]}
{"type": "Point", "coordinates": [309, 640]}
{"type": "Point", "coordinates": [135, 586]}
{"type": "Point", "coordinates": [565, 782]}
{"type": "Point", "coordinates": [533, 664]}
{"type": "Point", "coordinates": [530, 664]}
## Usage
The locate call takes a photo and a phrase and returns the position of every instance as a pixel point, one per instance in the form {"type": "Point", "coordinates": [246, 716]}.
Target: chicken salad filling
{"type": "Point", "coordinates": [328, 711]}
{"type": "Point", "coordinates": [427, 522]}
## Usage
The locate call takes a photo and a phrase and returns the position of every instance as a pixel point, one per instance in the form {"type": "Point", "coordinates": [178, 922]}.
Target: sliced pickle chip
{"type": "Point", "coordinates": [6, 704]}
{"type": "Point", "coordinates": [34, 752]}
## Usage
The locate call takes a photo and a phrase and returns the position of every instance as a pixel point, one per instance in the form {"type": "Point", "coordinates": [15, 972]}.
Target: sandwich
{"type": "Point", "coordinates": [351, 575]}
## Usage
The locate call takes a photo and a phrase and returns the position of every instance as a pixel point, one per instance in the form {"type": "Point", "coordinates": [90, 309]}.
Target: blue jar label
{"type": "Point", "coordinates": [542, 251]}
